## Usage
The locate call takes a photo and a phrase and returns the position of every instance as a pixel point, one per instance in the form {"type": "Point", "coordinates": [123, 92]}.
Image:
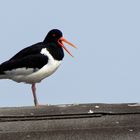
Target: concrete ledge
{"type": "Point", "coordinates": [71, 122]}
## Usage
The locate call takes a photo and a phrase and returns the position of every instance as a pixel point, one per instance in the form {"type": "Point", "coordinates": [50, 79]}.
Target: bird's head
{"type": "Point", "coordinates": [56, 36]}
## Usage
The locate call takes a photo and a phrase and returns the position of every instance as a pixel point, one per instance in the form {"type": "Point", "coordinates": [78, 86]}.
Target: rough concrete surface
{"type": "Point", "coordinates": [71, 122]}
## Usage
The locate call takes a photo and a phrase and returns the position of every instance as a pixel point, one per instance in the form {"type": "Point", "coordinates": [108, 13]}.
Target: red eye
{"type": "Point", "coordinates": [54, 35]}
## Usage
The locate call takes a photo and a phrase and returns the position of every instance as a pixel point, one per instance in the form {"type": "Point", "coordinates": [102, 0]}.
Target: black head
{"type": "Point", "coordinates": [56, 36]}
{"type": "Point", "coordinates": [53, 36]}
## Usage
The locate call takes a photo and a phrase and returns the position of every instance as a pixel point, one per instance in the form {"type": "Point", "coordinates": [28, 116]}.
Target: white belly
{"type": "Point", "coordinates": [39, 75]}
{"type": "Point", "coordinates": [44, 72]}
{"type": "Point", "coordinates": [36, 77]}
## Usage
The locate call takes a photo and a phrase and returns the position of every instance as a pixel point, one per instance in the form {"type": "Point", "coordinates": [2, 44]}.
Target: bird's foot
{"type": "Point", "coordinates": [40, 105]}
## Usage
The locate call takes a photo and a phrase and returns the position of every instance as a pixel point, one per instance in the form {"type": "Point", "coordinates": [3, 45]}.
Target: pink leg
{"type": "Point", "coordinates": [34, 95]}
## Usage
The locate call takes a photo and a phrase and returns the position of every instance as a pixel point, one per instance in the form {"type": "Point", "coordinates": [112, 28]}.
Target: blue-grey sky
{"type": "Point", "coordinates": [106, 67]}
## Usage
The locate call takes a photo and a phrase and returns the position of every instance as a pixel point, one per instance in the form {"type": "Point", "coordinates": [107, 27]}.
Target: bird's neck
{"type": "Point", "coordinates": [55, 50]}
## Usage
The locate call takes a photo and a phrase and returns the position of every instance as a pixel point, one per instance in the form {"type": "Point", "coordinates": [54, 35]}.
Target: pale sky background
{"type": "Point", "coordinates": [106, 67]}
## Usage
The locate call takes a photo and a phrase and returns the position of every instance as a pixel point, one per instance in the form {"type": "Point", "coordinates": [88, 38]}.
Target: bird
{"type": "Point", "coordinates": [36, 62]}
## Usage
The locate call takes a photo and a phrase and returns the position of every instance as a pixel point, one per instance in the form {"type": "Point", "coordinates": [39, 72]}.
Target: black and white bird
{"type": "Point", "coordinates": [36, 62]}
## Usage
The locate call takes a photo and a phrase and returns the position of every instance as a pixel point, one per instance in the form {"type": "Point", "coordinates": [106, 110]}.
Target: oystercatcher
{"type": "Point", "coordinates": [36, 62]}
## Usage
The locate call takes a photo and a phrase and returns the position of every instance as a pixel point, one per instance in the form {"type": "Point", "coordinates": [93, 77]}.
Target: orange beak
{"type": "Point", "coordinates": [62, 39]}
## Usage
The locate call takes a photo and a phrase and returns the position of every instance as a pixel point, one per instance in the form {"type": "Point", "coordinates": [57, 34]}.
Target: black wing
{"type": "Point", "coordinates": [32, 61]}
{"type": "Point", "coordinates": [31, 50]}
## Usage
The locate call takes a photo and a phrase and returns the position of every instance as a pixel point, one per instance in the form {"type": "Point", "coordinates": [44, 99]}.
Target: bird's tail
{"type": "Point", "coordinates": [3, 77]}
{"type": "Point", "coordinates": [2, 74]}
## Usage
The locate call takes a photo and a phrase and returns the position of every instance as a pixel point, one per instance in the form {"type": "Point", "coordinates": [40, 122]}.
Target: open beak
{"type": "Point", "coordinates": [60, 42]}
